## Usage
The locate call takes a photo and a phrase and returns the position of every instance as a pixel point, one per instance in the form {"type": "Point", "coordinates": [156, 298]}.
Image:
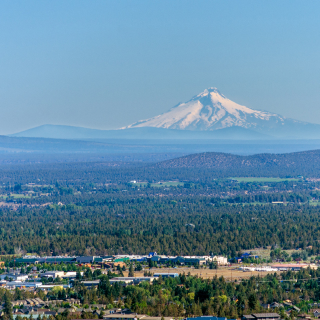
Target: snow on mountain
{"type": "Point", "coordinates": [211, 110]}
{"type": "Point", "coordinates": [208, 115]}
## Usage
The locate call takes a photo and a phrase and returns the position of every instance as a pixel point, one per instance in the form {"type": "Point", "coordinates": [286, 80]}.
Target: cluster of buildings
{"type": "Point", "coordinates": [33, 308]}
{"type": "Point", "coordinates": [280, 267]}
{"type": "Point", "coordinates": [131, 280]}
{"type": "Point", "coordinates": [152, 256]}
{"type": "Point", "coordinates": [186, 260]}
{"type": "Point", "coordinates": [32, 281]}
{"type": "Point", "coordinates": [293, 266]}
{"type": "Point", "coordinates": [259, 269]}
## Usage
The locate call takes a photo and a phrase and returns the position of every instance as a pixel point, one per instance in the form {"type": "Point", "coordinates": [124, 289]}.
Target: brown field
{"type": "Point", "coordinates": [229, 273]}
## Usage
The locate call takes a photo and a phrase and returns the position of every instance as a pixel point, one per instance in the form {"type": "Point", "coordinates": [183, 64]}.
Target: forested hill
{"type": "Point", "coordinates": [309, 160]}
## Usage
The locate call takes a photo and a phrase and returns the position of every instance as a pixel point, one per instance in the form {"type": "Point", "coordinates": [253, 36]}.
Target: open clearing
{"type": "Point", "coordinates": [230, 273]}
{"type": "Point", "coordinates": [15, 196]}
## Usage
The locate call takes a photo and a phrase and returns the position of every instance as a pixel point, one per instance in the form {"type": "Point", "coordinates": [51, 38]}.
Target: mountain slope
{"type": "Point", "coordinates": [211, 110]}
{"type": "Point", "coordinates": [226, 161]}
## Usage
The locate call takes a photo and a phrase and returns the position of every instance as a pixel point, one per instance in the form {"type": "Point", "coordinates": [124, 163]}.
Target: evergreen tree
{"type": "Point", "coordinates": [7, 307]}
{"type": "Point", "coordinates": [131, 273]}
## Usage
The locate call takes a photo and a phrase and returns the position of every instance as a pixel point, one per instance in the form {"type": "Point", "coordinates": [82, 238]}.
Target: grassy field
{"type": "Point", "coordinates": [15, 196]}
{"type": "Point", "coordinates": [253, 179]}
{"type": "Point", "coordinates": [227, 272]}
{"type": "Point", "coordinates": [314, 202]}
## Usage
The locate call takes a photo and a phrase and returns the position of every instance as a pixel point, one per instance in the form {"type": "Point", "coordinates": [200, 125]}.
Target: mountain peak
{"type": "Point", "coordinates": [208, 91]}
{"type": "Point", "coordinates": [211, 110]}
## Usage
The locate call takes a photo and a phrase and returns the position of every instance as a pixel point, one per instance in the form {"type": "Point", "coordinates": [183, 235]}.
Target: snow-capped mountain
{"type": "Point", "coordinates": [211, 110]}
{"type": "Point", "coordinates": [208, 115]}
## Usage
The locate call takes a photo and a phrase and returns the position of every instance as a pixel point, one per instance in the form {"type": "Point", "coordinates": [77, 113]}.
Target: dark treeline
{"type": "Point", "coordinates": [110, 223]}
{"type": "Point", "coordinates": [98, 172]}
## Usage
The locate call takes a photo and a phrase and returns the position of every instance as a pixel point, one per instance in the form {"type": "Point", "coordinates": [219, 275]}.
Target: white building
{"type": "Point", "coordinates": [14, 277]}
{"type": "Point", "coordinates": [53, 274]}
{"type": "Point", "coordinates": [220, 260]}
{"type": "Point", "coordinates": [20, 284]}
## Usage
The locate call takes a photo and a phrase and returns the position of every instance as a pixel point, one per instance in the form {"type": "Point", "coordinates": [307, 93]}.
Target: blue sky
{"type": "Point", "coordinates": [106, 64]}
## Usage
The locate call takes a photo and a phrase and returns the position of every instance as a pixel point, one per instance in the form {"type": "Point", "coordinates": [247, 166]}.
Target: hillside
{"type": "Point", "coordinates": [307, 160]}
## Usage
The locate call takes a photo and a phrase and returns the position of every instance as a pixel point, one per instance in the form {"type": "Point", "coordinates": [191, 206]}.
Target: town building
{"type": "Point", "coordinates": [261, 316]}
{"type": "Point", "coordinates": [166, 275]}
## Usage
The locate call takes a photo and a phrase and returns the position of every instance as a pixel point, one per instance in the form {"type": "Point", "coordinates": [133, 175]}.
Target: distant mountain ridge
{"type": "Point", "coordinates": [70, 132]}
{"type": "Point", "coordinates": [208, 115]}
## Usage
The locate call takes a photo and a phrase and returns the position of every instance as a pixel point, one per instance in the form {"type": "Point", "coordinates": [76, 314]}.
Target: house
{"type": "Point", "coordinates": [316, 312]}
{"type": "Point", "coordinates": [303, 316]}
{"type": "Point", "coordinates": [96, 313]}
{"type": "Point", "coordinates": [113, 311]}
{"type": "Point", "coordinates": [294, 308]}
{"type": "Point", "coordinates": [29, 302]}
{"type": "Point", "coordinates": [126, 311]}
{"type": "Point", "coordinates": [276, 305]}
{"type": "Point", "coordinates": [261, 316]}
{"type": "Point", "coordinates": [97, 306]}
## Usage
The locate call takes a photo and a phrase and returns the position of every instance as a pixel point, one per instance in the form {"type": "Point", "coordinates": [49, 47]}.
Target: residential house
{"type": "Point", "coordinates": [261, 316]}
{"type": "Point", "coordinates": [315, 312]}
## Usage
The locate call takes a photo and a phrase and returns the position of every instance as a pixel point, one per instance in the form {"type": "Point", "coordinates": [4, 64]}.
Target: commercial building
{"type": "Point", "coordinates": [293, 266]}
{"type": "Point", "coordinates": [14, 277]}
{"type": "Point", "coordinates": [90, 283]}
{"type": "Point", "coordinates": [35, 260]}
{"type": "Point", "coordinates": [166, 275]}
{"type": "Point", "coordinates": [53, 274]}
{"type": "Point", "coordinates": [20, 284]}
{"type": "Point", "coordinates": [131, 280]}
